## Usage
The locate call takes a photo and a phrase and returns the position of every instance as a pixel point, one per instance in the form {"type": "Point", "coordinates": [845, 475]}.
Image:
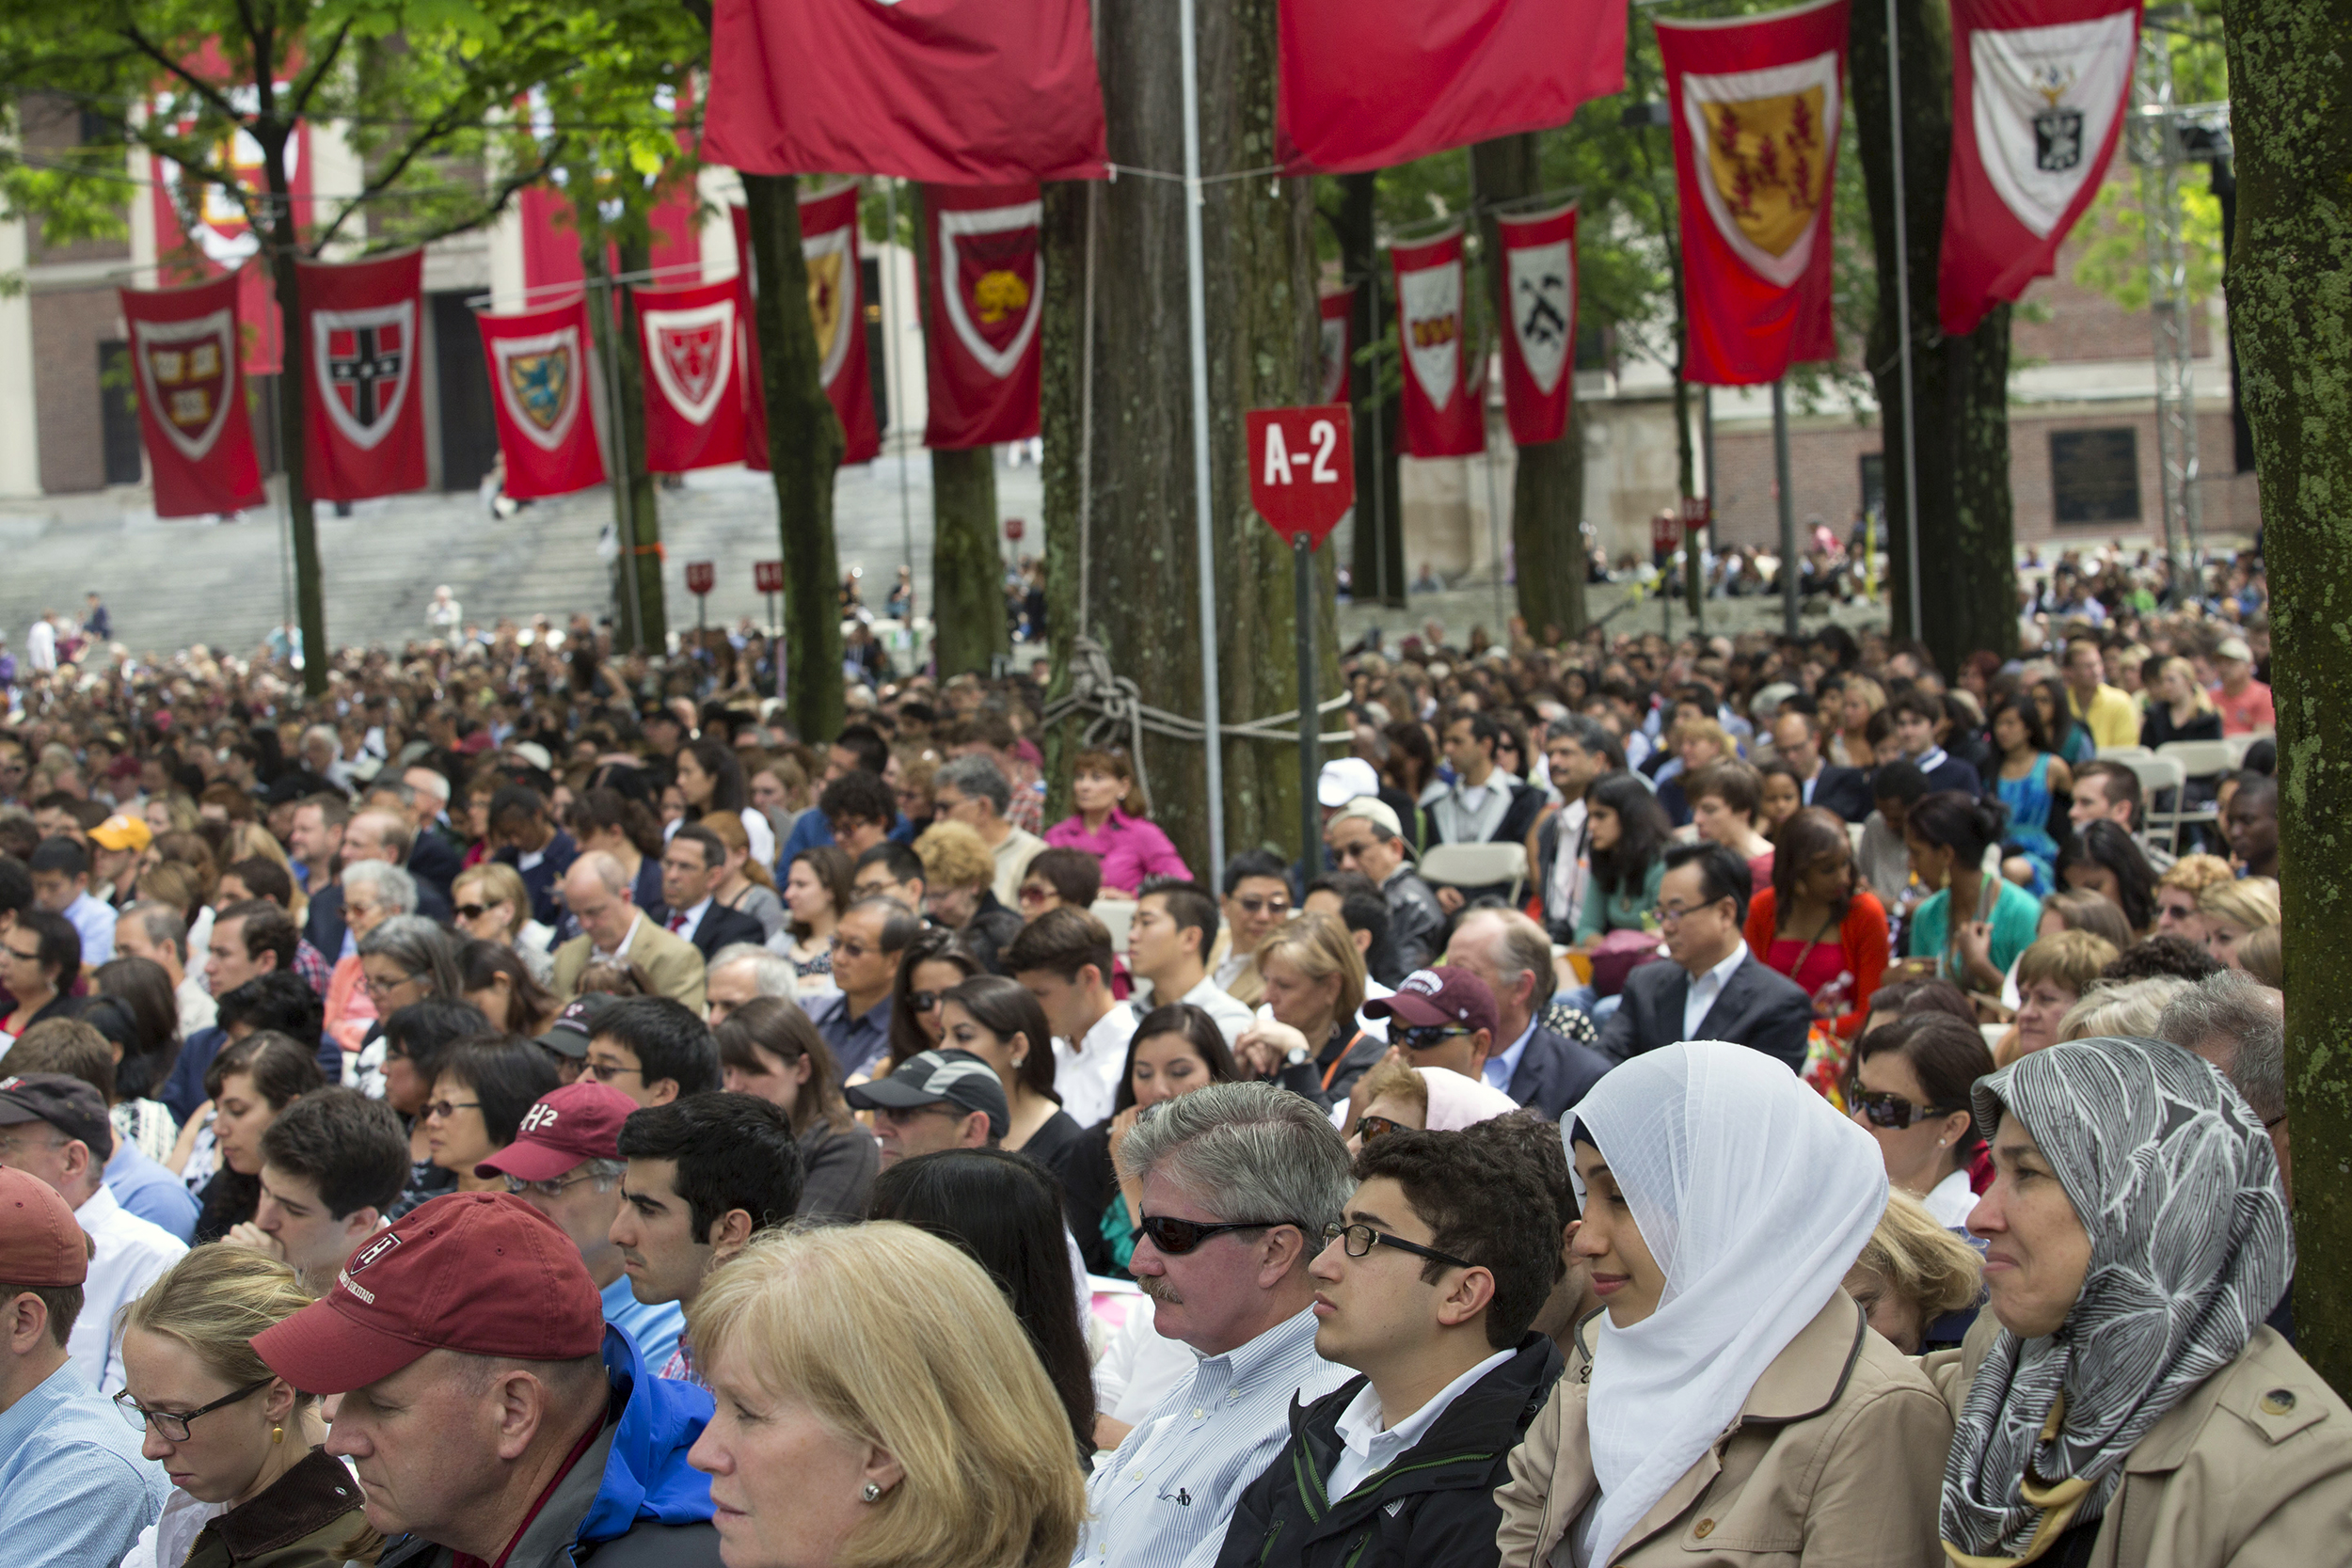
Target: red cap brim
{"type": "Point", "coordinates": [529, 1162]}
{"type": "Point", "coordinates": [1413, 1009]}
{"type": "Point", "coordinates": [320, 1351]}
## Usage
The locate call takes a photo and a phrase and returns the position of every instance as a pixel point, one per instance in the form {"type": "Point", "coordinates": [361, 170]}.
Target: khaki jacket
{"type": "Point", "coordinates": [1837, 1461]}
{"type": "Point", "coordinates": [673, 963]}
{"type": "Point", "coordinates": [2253, 1470]}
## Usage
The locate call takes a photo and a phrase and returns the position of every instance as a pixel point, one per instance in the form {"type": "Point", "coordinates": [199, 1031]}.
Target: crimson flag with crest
{"type": "Point", "coordinates": [1445, 384]}
{"type": "Point", "coordinates": [191, 397]}
{"type": "Point", "coordinates": [985, 297]}
{"type": "Point", "coordinates": [539, 397]}
{"type": "Point", "coordinates": [692, 341]}
{"type": "Point", "coordinates": [360, 321]}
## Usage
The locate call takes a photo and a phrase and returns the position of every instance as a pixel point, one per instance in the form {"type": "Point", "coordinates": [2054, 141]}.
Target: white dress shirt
{"type": "Point", "coordinates": [684, 930]}
{"type": "Point", "coordinates": [132, 1254]}
{"type": "Point", "coordinates": [1164, 1498]}
{"type": "Point", "coordinates": [599, 956]}
{"type": "Point", "coordinates": [1563, 896]}
{"type": "Point", "coordinates": [1231, 1016]}
{"type": "Point", "coordinates": [1707, 989]}
{"type": "Point", "coordinates": [1367, 1447]}
{"type": "Point", "coordinates": [198, 1010]}
{"type": "Point", "coordinates": [1951, 1201]}
{"type": "Point", "coordinates": [1087, 1075]}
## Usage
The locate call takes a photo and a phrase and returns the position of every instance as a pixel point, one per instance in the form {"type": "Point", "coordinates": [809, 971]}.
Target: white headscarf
{"type": "Point", "coordinates": [1755, 1197]}
{"type": "Point", "coordinates": [1456, 1101]}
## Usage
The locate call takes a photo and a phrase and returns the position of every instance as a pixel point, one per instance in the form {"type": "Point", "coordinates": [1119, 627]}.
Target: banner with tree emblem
{"type": "Point", "coordinates": [1539, 346]}
{"type": "Point", "coordinates": [2039, 90]}
{"type": "Point", "coordinates": [1755, 103]}
{"type": "Point", "coordinates": [191, 397]}
{"type": "Point", "coordinates": [837, 306]}
{"type": "Point", "coordinates": [690, 340]}
{"type": "Point", "coordinates": [1444, 407]}
{"type": "Point", "coordinates": [366, 429]}
{"type": "Point", "coordinates": [539, 393]}
{"type": "Point", "coordinates": [1338, 343]}
{"type": "Point", "coordinates": [984, 296]}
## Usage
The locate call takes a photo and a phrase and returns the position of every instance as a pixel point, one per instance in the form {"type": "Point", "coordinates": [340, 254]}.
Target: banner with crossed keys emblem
{"type": "Point", "coordinates": [365, 433]}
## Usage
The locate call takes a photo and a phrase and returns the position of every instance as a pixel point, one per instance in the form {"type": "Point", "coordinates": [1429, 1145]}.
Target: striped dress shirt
{"type": "Point", "coordinates": [1164, 1498]}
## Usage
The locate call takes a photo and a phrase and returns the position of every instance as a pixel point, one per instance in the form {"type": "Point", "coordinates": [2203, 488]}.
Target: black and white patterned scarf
{"type": "Point", "coordinates": [2178, 1188]}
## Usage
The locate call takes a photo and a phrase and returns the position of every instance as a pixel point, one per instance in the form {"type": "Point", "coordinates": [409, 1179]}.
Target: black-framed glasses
{"type": "Point", "coordinates": [1359, 1240]}
{"type": "Point", "coordinates": [1892, 1111]}
{"type": "Point", "coordinates": [1369, 1127]}
{"type": "Point", "coordinates": [442, 1110]}
{"type": "Point", "coordinates": [377, 987]}
{"type": "Point", "coordinates": [1265, 906]}
{"type": "Point", "coordinates": [173, 1424]}
{"type": "Point", "coordinates": [607, 1071]}
{"type": "Point", "coordinates": [1427, 1036]}
{"type": "Point", "coordinates": [1175, 1237]}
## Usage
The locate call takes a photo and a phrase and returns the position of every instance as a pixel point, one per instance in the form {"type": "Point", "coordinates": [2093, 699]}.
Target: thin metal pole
{"type": "Point", "coordinates": [1309, 721]}
{"type": "Point", "coordinates": [1707, 461]}
{"type": "Point", "coordinates": [1903, 307]}
{"type": "Point", "coordinates": [898, 420]}
{"type": "Point", "coordinates": [1494, 534]}
{"type": "Point", "coordinates": [1205, 529]}
{"type": "Point", "coordinates": [1787, 510]}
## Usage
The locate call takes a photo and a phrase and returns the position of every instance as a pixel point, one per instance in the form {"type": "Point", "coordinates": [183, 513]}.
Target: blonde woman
{"type": "Point", "coordinates": [1849, 743]}
{"type": "Point", "coordinates": [1314, 986]}
{"type": "Point", "coordinates": [1913, 1272]}
{"type": "Point", "coordinates": [492, 905]}
{"type": "Point", "coordinates": [749, 887]}
{"type": "Point", "coordinates": [2178, 707]}
{"type": "Point", "coordinates": [878, 1404]}
{"type": "Point", "coordinates": [2231, 911]}
{"type": "Point", "coordinates": [243, 1446]}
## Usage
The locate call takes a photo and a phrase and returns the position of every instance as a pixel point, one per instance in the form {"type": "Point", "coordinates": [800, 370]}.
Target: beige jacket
{"type": "Point", "coordinates": [1837, 1461]}
{"type": "Point", "coordinates": [2253, 1470]}
{"type": "Point", "coordinates": [673, 964]}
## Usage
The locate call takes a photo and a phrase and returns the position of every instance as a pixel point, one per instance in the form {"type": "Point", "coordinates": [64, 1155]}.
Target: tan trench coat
{"type": "Point", "coordinates": [1835, 1461]}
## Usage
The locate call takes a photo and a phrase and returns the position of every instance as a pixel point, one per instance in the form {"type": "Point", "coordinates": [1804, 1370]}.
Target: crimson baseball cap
{"type": "Point", "coordinates": [481, 1273]}
{"type": "Point", "coordinates": [1441, 995]}
{"type": "Point", "coordinates": [579, 1121]}
{"type": "Point", "coordinates": [41, 1248]}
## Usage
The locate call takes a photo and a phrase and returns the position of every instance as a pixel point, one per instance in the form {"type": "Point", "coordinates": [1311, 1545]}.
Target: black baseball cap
{"type": "Point", "coordinates": [73, 1107]}
{"type": "Point", "coordinates": [568, 1036]}
{"type": "Point", "coordinates": [927, 1078]}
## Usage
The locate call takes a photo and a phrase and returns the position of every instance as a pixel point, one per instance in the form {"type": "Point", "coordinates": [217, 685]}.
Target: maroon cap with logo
{"type": "Point", "coordinates": [579, 1121]}
{"type": "Point", "coordinates": [481, 1273]}
{"type": "Point", "coordinates": [1441, 995]}
{"type": "Point", "coordinates": [41, 1248]}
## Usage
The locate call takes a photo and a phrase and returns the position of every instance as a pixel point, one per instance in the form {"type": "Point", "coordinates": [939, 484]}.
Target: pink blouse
{"type": "Point", "coordinates": [1132, 850]}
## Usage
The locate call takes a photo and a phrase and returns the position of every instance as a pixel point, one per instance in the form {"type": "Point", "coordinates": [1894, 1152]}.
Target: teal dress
{"type": "Point", "coordinates": [2016, 917]}
{"type": "Point", "coordinates": [2028, 802]}
{"type": "Point", "coordinates": [1625, 909]}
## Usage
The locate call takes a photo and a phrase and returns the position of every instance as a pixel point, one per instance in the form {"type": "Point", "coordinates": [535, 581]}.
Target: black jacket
{"type": "Point", "coordinates": [1554, 1072]}
{"type": "Point", "coordinates": [1416, 920]}
{"type": "Point", "coordinates": [1758, 1008]}
{"type": "Point", "coordinates": [1843, 790]}
{"type": "Point", "coordinates": [1432, 1508]}
{"type": "Point", "coordinates": [721, 926]}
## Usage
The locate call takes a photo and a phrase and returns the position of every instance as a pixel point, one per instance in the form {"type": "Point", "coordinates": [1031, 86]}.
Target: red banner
{"type": "Point", "coordinates": [690, 340]}
{"type": "Point", "coordinates": [2039, 91]}
{"type": "Point", "coordinates": [1539, 346]}
{"type": "Point", "coordinates": [1444, 406]}
{"type": "Point", "coordinates": [969, 92]}
{"type": "Point", "coordinates": [837, 306]}
{"type": "Point", "coordinates": [539, 394]}
{"type": "Point", "coordinates": [1339, 342]}
{"type": "Point", "coordinates": [987, 290]}
{"type": "Point", "coordinates": [191, 397]}
{"type": "Point", "coordinates": [365, 434]}
{"type": "Point", "coordinates": [1755, 103]}
{"type": "Point", "coordinates": [1366, 87]}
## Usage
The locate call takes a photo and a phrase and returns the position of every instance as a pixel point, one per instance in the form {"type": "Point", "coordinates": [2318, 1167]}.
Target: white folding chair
{"type": "Point", "coordinates": [1467, 865]}
{"type": "Point", "coordinates": [2202, 759]}
{"type": "Point", "coordinates": [2241, 744]}
{"type": "Point", "coordinates": [1115, 914]}
{"type": "Point", "coordinates": [2122, 753]}
{"type": "Point", "coordinates": [2157, 774]}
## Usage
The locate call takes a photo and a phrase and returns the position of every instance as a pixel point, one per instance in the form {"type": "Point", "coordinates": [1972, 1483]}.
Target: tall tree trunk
{"type": "Point", "coordinates": [1139, 584]}
{"type": "Point", "coordinates": [967, 575]}
{"type": "Point", "coordinates": [1960, 388]}
{"type": "Point", "coordinates": [293, 408]}
{"type": "Point", "coordinates": [1547, 485]}
{"type": "Point", "coordinates": [1377, 553]}
{"type": "Point", "coordinates": [637, 516]}
{"type": "Point", "coordinates": [804, 448]}
{"type": "Point", "coordinates": [2289, 279]}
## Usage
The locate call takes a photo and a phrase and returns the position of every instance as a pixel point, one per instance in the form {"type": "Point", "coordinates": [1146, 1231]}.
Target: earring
{"type": "Point", "coordinates": [871, 1492]}
{"type": "Point", "coordinates": [1941, 1142]}
{"type": "Point", "coordinates": [278, 1434]}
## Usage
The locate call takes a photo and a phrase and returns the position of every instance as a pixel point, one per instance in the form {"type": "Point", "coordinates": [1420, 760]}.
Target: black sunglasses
{"type": "Point", "coordinates": [922, 1001]}
{"type": "Point", "coordinates": [1176, 1237]}
{"type": "Point", "coordinates": [470, 912]}
{"type": "Point", "coordinates": [1427, 1036]}
{"type": "Point", "coordinates": [1370, 1126]}
{"type": "Point", "coordinates": [1892, 1111]}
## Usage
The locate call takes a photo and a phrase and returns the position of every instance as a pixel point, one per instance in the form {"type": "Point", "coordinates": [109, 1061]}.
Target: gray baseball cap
{"type": "Point", "coordinates": [927, 1078]}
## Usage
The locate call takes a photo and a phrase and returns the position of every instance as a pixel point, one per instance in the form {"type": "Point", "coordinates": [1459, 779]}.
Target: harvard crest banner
{"type": "Point", "coordinates": [1539, 344]}
{"type": "Point", "coordinates": [836, 307]}
{"type": "Point", "coordinates": [1755, 103]}
{"type": "Point", "coordinates": [1444, 403]}
{"type": "Point", "coordinates": [692, 341]}
{"type": "Point", "coordinates": [1338, 343]}
{"type": "Point", "coordinates": [360, 327]}
{"type": "Point", "coordinates": [539, 394]}
{"type": "Point", "coordinates": [987, 292]}
{"type": "Point", "coordinates": [191, 396]}
{"type": "Point", "coordinates": [2039, 91]}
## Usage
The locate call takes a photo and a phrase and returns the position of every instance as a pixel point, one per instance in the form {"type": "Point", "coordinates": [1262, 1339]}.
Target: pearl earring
{"type": "Point", "coordinates": [871, 1492]}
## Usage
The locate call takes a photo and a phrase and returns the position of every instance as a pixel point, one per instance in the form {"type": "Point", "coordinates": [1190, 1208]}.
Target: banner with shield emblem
{"type": "Point", "coordinates": [2039, 90]}
{"type": "Point", "coordinates": [539, 394]}
{"type": "Point", "coordinates": [1444, 404]}
{"type": "Point", "coordinates": [691, 340]}
{"type": "Point", "coordinates": [1338, 341]}
{"type": "Point", "coordinates": [365, 434]}
{"type": "Point", "coordinates": [837, 306]}
{"type": "Point", "coordinates": [1755, 103]}
{"type": "Point", "coordinates": [986, 296]}
{"type": "Point", "coordinates": [1539, 345]}
{"type": "Point", "coordinates": [191, 397]}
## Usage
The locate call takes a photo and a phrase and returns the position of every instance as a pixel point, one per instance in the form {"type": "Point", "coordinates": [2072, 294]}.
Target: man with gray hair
{"type": "Point", "coordinates": [1539, 1068]}
{"type": "Point", "coordinates": [157, 933]}
{"type": "Point", "coordinates": [1237, 1182]}
{"type": "Point", "coordinates": [2239, 1025]}
{"type": "Point", "coordinates": [973, 790]}
{"type": "Point", "coordinates": [742, 972]}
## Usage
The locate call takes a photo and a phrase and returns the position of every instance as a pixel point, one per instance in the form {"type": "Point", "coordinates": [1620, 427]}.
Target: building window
{"type": "Point", "coordinates": [2095, 476]}
{"type": "Point", "coordinates": [1874, 482]}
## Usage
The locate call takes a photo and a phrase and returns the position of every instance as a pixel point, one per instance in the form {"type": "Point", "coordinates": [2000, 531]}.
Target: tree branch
{"type": "Point", "coordinates": [204, 90]}
{"type": "Point", "coordinates": [307, 83]}
{"type": "Point", "coordinates": [506, 192]}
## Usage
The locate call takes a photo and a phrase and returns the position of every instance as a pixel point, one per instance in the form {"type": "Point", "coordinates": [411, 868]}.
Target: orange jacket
{"type": "Point", "coordinates": [1861, 936]}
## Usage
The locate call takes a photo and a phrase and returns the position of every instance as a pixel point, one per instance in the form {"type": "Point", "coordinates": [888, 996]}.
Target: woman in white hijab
{"type": "Point", "coordinates": [1739, 1409]}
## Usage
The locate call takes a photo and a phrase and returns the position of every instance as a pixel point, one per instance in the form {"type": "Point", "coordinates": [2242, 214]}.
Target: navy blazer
{"type": "Point", "coordinates": [1845, 791]}
{"type": "Point", "coordinates": [1760, 1007]}
{"type": "Point", "coordinates": [721, 926]}
{"type": "Point", "coordinates": [1554, 1072]}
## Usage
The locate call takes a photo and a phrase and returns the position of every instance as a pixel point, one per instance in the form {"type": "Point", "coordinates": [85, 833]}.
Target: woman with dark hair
{"type": "Point", "coordinates": [416, 1038]}
{"type": "Point", "coordinates": [1816, 925]}
{"type": "Point", "coordinates": [1909, 1087]}
{"type": "Point", "coordinates": [1059, 878]}
{"type": "Point", "coordinates": [816, 891]}
{"type": "Point", "coordinates": [41, 957]}
{"type": "Point", "coordinates": [711, 781]}
{"type": "Point", "coordinates": [134, 1009]}
{"type": "Point", "coordinates": [486, 1084]}
{"type": "Point", "coordinates": [496, 980]}
{"type": "Point", "coordinates": [605, 819]}
{"type": "Point", "coordinates": [1947, 834]}
{"type": "Point", "coordinates": [2026, 778]}
{"type": "Point", "coordinates": [1109, 823]}
{"type": "Point", "coordinates": [933, 964]}
{"type": "Point", "coordinates": [1628, 832]}
{"type": "Point", "coordinates": [769, 1048]}
{"type": "Point", "coordinates": [249, 1084]}
{"type": "Point", "coordinates": [1411, 768]}
{"type": "Point", "coordinates": [2069, 737]}
{"type": "Point", "coordinates": [1001, 1211]}
{"type": "Point", "coordinates": [2104, 859]}
{"type": "Point", "coordinates": [999, 1021]}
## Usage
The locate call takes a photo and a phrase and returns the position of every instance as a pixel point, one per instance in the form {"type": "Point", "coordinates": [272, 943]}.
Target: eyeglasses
{"type": "Point", "coordinates": [1035, 893]}
{"type": "Point", "coordinates": [1176, 1237]}
{"type": "Point", "coordinates": [471, 911]}
{"type": "Point", "coordinates": [1370, 1126]}
{"type": "Point", "coordinates": [517, 1185]}
{"type": "Point", "coordinates": [1359, 1240]}
{"type": "Point", "coordinates": [442, 1110]}
{"type": "Point", "coordinates": [1265, 906]}
{"type": "Point", "coordinates": [1881, 1109]}
{"type": "Point", "coordinates": [1427, 1036]}
{"type": "Point", "coordinates": [379, 988]}
{"type": "Point", "coordinates": [173, 1424]}
{"type": "Point", "coordinates": [607, 1071]}
{"type": "Point", "coordinates": [1667, 914]}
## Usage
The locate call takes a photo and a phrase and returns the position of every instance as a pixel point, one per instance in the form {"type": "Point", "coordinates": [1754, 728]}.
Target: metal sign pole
{"type": "Point", "coordinates": [1204, 522]}
{"type": "Point", "coordinates": [1787, 510]}
{"type": "Point", "coordinates": [1309, 721]}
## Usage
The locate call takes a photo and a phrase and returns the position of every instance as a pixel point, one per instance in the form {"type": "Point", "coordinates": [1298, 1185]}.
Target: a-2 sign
{"type": "Point", "coordinates": [767, 576]}
{"type": "Point", "coordinates": [1302, 468]}
{"type": "Point", "coordinates": [700, 575]}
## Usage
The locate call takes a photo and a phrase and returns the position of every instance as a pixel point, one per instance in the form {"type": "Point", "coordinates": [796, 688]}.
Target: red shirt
{"type": "Point", "coordinates": [2246, 712]}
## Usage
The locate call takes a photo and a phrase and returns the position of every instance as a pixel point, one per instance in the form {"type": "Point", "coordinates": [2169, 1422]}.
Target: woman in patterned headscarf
{"type": "Point", "coordinates": [2133, 1409]}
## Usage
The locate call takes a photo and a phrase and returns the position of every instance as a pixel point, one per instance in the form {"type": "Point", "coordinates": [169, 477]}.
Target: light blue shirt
{"type": "Point", "coordinates": [1499, 1070]}
{"type": "Point", "coordinates": [1164, 1498]}
{"type": "Point", "coordinates": [655, 1329]}
{"type": "Point", "coordinates": [150, 1189]}
{"type": "Point", "coordinates": [73, 1491]}
{"type": "Point", "coordinates": [94, 919]}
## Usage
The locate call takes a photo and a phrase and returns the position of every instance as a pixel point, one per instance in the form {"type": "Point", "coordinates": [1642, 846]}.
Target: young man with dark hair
{"type": "Point", "coordinates": [333, 1164]}
{"type": "Point", "coordinates": [250, 938]}
{"type": "Point", "coordinates": [1715, 988]}
{"type": "Point", "coordinates": [1257, 888]}
{"type": "Point", "coordinates": [860, 810]}
{"type": "Point", "coordinates": [1428, 1287]}
{"type": "Point", "coordinates": [653, 1050]}
{"type": "Point", "coordinates": [535, 846]}
{"type": "Point", "coordinates": [61, 885]}
{"type": "Point", "coordinates": [1167, 944]}
{"type": "Point", "coordinates": [693, 866]}
{"type": "Point", "coordinates": [1915, 715]}
{"type": "Point", "coordinates": [1534, 1139]}
{"type": "Point", "coordinates": [1063, 958]}
{"type": "Point", "coordinates": [1484, 806]}
{"type": "Point", "coordinates": [890, 870]}
{"type": "Point", "coordinates": [705, 1173]}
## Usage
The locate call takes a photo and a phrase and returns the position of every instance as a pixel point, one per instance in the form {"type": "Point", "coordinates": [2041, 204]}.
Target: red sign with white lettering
{"type": "Point", "coordinates": [1665, 531]}
{"type": "Point", "coordinates": [767, 576]}
{"type": "Point", "coordinates": [700, 575]}
{"type": "Point", "coordinates": [1302, 468]}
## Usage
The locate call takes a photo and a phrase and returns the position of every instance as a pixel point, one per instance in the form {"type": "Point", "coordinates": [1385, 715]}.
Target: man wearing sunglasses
{"type": "Point", "coordinates": [1238, 1181]}
{"type": "Point", "coordinates": [1428, 1286]}
{"type": "Point", "coordinates": [938, 1100]}
{"type": "Point", "coordinates": [1257, 900]}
